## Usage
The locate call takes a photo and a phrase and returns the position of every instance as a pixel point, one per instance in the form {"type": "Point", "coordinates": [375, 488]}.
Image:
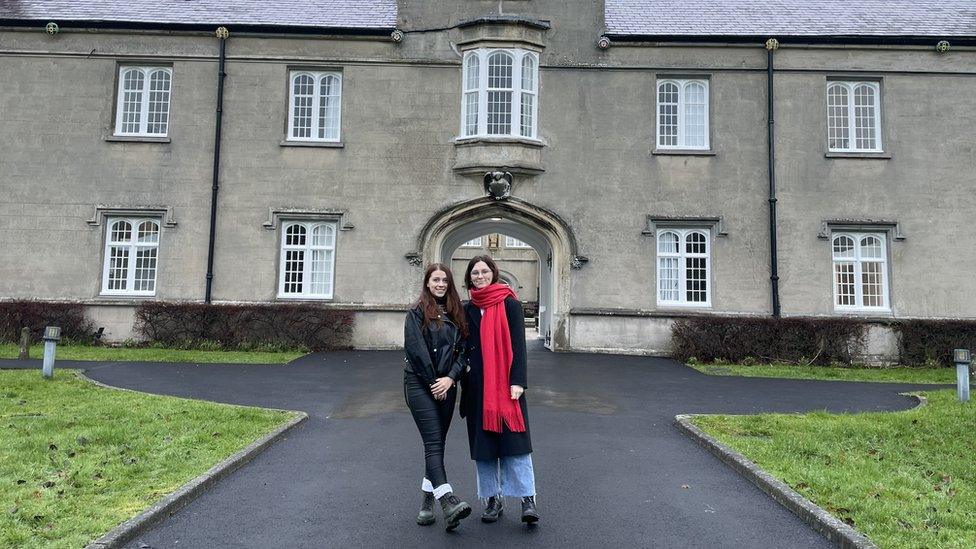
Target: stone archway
{"type": "Point", "coordinates": [546, 232]}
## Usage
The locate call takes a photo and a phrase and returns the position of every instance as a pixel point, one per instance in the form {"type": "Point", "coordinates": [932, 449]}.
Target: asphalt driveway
{"type": "Point", "coordinates": [611, 468]}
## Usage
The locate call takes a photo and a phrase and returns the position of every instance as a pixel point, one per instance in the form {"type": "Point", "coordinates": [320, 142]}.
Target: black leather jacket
{"type": "Point", "coordinates": [434, 351]}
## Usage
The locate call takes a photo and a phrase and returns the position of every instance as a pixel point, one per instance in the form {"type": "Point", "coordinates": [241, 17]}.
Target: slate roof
{"type": "Point", "coordinates": [822, 18]}
{"type": "Point", "coordinates": [354, 14]}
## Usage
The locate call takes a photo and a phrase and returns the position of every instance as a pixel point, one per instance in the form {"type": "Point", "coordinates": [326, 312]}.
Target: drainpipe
{"type": "Point", "coordinates": [222, 35]}
{"type": "Point", "coordinates": [771, 45]}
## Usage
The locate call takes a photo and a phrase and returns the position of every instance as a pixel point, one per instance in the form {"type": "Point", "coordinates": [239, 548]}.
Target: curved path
{"type": "Point", "coordinates": [611, 468]}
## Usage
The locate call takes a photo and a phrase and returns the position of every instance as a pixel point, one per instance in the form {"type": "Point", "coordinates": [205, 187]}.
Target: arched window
{"type": "Point", "coordinates": [314, 106]}
{"type": "Point", "coordinates": [143, 101]}
{"type": "Point", "coordinates": [499, 93]}
{"type": "Point", "coordinates": [307, 260]}
{"type": "Point", "coordinates": [682, 114]}
{"type": "Point", "coordinates": [853, 117]}
{"type": "Point", "coordinates": [860, 271]}
{"type": "Point", "coordinates": [683, 269]}
{"type": "Point", "coordinates": [131, 257]}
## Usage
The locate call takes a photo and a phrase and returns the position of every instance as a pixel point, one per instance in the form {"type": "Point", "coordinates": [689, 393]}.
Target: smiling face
{"type": "Point", "coordinates": [437, 283]}
{"type": "Point", "coordinates": [481, 274]}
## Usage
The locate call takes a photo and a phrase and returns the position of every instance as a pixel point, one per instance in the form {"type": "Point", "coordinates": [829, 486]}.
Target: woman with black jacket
{"type": "Point", "coordinates": [433, 336]}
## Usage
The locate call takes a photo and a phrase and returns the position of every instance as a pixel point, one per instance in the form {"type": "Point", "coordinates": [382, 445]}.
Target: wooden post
{"type": "Point", "coordinates": [24, 343]}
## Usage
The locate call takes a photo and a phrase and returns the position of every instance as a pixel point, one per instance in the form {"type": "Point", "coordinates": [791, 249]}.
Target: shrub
{"type": "Point", "coordinates": [794, 340]}
{"type": "Point", "coordinates": [246, 327]}
{"type": "Point", "coordinates": [930, 342]}
{"type": "Point", "coordinates": [35, 315]}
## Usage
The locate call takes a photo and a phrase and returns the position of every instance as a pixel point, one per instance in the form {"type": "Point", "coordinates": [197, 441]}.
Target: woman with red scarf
{"type": "Point", "coordinates": [493, 400]}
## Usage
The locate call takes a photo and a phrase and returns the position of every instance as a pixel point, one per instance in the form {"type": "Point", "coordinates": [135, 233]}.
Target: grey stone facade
{"type": "Point", "coordinates": [591, 190]}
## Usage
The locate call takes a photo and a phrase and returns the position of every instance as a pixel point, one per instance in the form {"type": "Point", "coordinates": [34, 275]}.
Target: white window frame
{"type": "Point", "coordinates": [512, 242]}
{"type": "Point", "coordinates": [858, 262]}
{"type": "Point", "coordinates": [682, 85]}
{"type": "Point", "coordinates": [316, 125]}
{"type": "Point", "coordinates": [515, 127]}
{"type": "Point", "coordinates": [851, 111]}
{"type": "Point", "coordinates": [476, 242]}
{"type": "Point", "coordinates": [132, 247]}
{"type": "Point", "coordinates": [147, 72]}
{"type": "Point", "coordinates": [682, 255]}
{"type": "Point", "coordinates": [306, 261]}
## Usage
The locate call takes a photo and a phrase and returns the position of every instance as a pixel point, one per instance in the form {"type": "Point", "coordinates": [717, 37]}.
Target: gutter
{"type": "Point", "coordinates": [85, 24]}
{"type": "Point", "coordinates": [771, 45]}
{"type": "Point", "coordinates": [222, 35]}
{"type": "Point", "coordinates": [846, 40]}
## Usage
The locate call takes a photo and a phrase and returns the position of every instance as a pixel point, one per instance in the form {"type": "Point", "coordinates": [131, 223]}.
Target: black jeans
{"type": "Point", "coordinates": [433, 418]}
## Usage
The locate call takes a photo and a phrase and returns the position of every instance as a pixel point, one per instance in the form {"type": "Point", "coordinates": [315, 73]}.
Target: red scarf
{"type": "Point", "coordinates": [496, 355]}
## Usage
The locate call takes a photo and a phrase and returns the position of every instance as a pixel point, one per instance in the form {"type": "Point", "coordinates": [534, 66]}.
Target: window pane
{"type": "Point", "coordinates": [118, 267]}
{"type": "Point", "coordinates": [695, 109]}
{"type": "Point", "coordinates": [471, 113]}
{"type": "Point", "coordinates": [472, 72]}
{"type": "Point", "coordinates": [473, 243]}
{"type": "Point", "coordinates": [132, 88]}
{"type": "Point", "coordinates": [295, 235]}
{"type": "Point", "coordinates": [696, 243]}
{"type": "Point", "coordinates": [871, 248]}
{"type": "Point", "coordinates": [667, 104]}
{"type": "Point", "coordinates": [121, 231]}
{"type": "Point", "coordinates": [321, 272]}
{"type": "Point", "coordinates": [525, 128]}
{"type": "Point", "coordinates": [696, 279]}
{"type": "Point", "coordinates": [499, 112]}
{"type": "Point", "coordinates": [667, 243]}
{"type": "Point", "coordinates": [667, 278]}
{"type": "Point", "coordinates": [329, 107]}
{"type": "Point", "coordinates": [323, 236]}
{"type": "Point", "coordinates": [843, 247]}
{"type": "Point", "coordinates": [838, 135]}
{"type": "Point", "coordinates": [148, 232]}
{"type": "Point", "coordinates": [864, 117]}
{"type": "Point", "coordinates": [871, 284]}
{"type": "Point", "coordinates": [500, 70]}
{"type": "Point", "coordinates": [303, 91]}
{"type": "Point", "coordinates": [159, 86]}
{"type": "Point", "coordinates": [294, 271]}
{"type": "Point", "coordinates": [528, 73]}
{"type": "Point", "coordinates": [145, 275]}
{"type": "Point", "coordinates": [844, 281]}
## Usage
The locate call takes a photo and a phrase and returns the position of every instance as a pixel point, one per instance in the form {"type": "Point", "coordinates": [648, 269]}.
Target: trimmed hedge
{"type": "Point", "coordinates": [922, 342]}
{"type": "Point", "coordinates": [244, 327]}
{"type": "Point", "coordinates": [35, 315]}
{"type": "Point", "coordinates": [793, 340]}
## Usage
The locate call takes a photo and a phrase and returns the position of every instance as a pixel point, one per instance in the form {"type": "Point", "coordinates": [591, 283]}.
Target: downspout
{"type": "Point", "coordinates": [222, 35]}
{"type": "Point", "coordinates": [771, 45]}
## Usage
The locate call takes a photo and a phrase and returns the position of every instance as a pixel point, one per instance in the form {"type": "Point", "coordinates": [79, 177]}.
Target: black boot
{"type": "Point", "coordinates": [454, 510]}
{"type": "Point", "coordinates": [529, 514]}
{"type": "Point", "coordinates": [494, 509]}
{"type": "Point", "coordinates": [426, 515]}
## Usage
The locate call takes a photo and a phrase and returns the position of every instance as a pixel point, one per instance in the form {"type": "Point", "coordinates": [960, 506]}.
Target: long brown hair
{"type": "Point", "coordinates": [468, 283]}
{"type": "Point", "coordinates": [452, 305]}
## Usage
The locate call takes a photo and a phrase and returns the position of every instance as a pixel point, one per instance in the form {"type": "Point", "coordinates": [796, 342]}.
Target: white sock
{"type": "Point", "coordinates": [441, 490]}
{"type": "Point", "coordinates": [426, 486]}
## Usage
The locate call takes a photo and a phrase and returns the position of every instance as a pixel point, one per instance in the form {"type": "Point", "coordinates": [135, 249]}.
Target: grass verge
{"type": "Point", "coordinates": [76, 460]}
{"type": "Point", "coordinates": [904, 479]}
{"type": "Point", "coordinates": [150, 354]}
{"type": "Point", "coordinates": [830, 373]}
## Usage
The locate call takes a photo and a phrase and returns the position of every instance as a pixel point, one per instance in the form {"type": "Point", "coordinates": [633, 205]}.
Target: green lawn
{"type": "Point", "coordinates": [150, 354]}
{"type": "Point", "coordinates": [792, 371]}
{"type": "Point", "coordinates": [905, 479]}
{"type": "Point", "coordinates": [76, 459]}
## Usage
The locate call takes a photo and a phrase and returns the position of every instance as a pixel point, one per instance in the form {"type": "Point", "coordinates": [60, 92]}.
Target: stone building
{"type": "Point", "coordinates": [245, 151]}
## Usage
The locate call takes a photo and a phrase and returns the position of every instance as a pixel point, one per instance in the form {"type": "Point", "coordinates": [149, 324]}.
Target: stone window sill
{"type": "Point", "coordinates": [316, 144]}
{"type": "Point", "coordinates": [136, 139]}
{"type": "Point", "coordinates": [462, 141]}
{"type": "Point", "coordinates": [864, 155]}
{"type": "Point", "coordinates": [682, 152]}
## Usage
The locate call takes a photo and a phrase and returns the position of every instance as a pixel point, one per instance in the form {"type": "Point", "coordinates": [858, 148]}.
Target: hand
{"type": "Point", "coordinates": [517, 391]}
{"type": "Point", "coordinates": [440, 387]}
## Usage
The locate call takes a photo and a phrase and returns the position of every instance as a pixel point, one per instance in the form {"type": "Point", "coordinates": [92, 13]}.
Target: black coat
{"type": "Point", "coordinates": [487, 444]}
{"type": "Point", "coordinates": [431, 352]}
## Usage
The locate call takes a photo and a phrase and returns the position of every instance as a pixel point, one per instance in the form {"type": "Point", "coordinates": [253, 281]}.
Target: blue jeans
{"type": "Point", "coordinates": [510, 476]}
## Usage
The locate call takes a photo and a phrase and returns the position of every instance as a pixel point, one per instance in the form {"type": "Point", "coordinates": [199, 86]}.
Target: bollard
{"type": "Point", "coordinates": [24, 343]}
{"type": "Point", "coordinates": [962, 358]}
{"type": "Point", "coordinates": [52, 335]}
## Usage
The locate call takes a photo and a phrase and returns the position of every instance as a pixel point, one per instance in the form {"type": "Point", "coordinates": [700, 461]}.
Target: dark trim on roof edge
{"type": "Point", "coordinates": [759, 40]}
{"type": "Point", "coordinates": [506, 19]}
{"type": "Point", "coordinates": [194, 27]}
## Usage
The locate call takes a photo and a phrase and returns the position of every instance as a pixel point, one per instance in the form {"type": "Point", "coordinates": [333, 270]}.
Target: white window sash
{"type": "Point", "coordinates": [133, 246]}
{"type": "Point", "coordinates": [143, 130]}
{"type": "Point", "coordinates": [858, 261]}
{"type": "Point", "coordinates": [516, 94]}
{"type": "Point", "coordinates": [307, 271]}
{"type": "Point", "coordinates": [851, 109]}
{"type": "Point", "coordinates": [317, 99]}
{"type": "Point", "coordinates": [682, 136]}
{"type": "Point", "coordinates": [682, 256]}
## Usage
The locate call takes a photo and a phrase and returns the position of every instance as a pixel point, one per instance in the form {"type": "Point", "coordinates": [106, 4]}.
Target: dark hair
{"type": "Point", "coordinates": [452, 304]}
{"type": "Point", "coordinates": [491, 265]}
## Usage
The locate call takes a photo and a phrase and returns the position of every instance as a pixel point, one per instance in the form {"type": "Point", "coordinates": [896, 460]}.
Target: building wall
{"type": "Point", "coordinates": [400, 114]}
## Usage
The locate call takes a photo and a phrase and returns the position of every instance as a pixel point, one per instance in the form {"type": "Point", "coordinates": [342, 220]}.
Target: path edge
{"type": "Point", "coordinates": [172, 503]}
{"type": "Point", "coordinates": [832, 528]}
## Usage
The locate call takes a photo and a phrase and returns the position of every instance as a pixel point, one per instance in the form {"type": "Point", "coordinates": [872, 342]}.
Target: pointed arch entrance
{"type": "Point", "coordinates": [546, 232]}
